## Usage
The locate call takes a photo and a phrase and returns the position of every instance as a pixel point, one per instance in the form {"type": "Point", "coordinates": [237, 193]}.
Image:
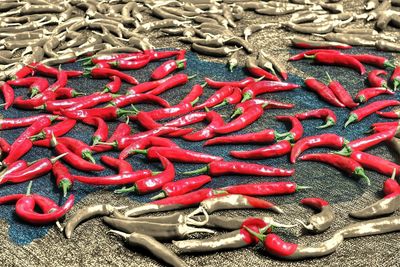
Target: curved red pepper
{"type": "Point", "coordinates": [241, 84]}
{"type": "Point", "coordinates": [297, 128]}
{"type": "Point", "coordinates": [167, 68]}
{"type": "Point", "coordinates": [232, 99]}
{"type": "Point", "coordinates": [123, 129]}
{"type": "Point", "coordinates": [171, 82]}
{"type": "Point", "coordinates": [107, 73]}
{"type": "Point", "coordinates": [377, 61]}
{"type": "Point", "coordinates": [12, 123]}
{"type": "Point", "coordinates": [264, 136]}
{"type": "Point", "coordinates": [189, 199]}
{"type": "Point", "coordinates": [394, 114]}
{"type": "Point", "coordinates": [127, 100]}
{"type": "Point", "coordinates": [118, 179]}
{"type": "Point", "coordinates": [174, 111]}
{"type": "Point", "coordinates": [375, 163]}
{"type": "Point", "coordinates": [375, 81]}
{"type": "Point", "coordinates": [8, 93]}
{"type": "Point", "coordinates": [146, 86]}
{"type": "Point", "coordinates": [87, 101]}
{"type": "Point", "coordinates": [208, 132]}
{"type": "Point", "coordinates": [367, 93]}
{"type": "Point", "coordinates": [106, 113]}
{"type": "Point", "coordinates": [312, 52]}
{"type": "Point", "coordinates": [195, 93]}
{"type": "Point", "coordinates": [242, 107]}
{"type": "Point", "coordinates": [113, 86]}
{"type": "Point", "coordinates": [251, 91]}
{"type": "Point", "coordinates": [338, 60]}
{"type": "Point", "coordinates": [316, 203]}
{"type": "Point", "coordinates": [263, 189]}
{"type": "Point", "coordinates": [276, 150]}
{"type": "Point", "coordinates": [324, 113]}
{"type": "Point", "coordinates": [58, 129]}
{"type": "Point", "coordinates": [64, 179]}
{"type": "Point", "coordinates": [216, 98]}
{"type": "Point", "coordinates": [101, 133]}
{"type": "Point", "coordinates": [323, 91]}
{"type": "Point", "coordinates": [145, 143]}
{"type": "Point", "coordinates": [341, 93]}
{"type": "Point", "coordinates": [53, 72]}
{"type": "Point", "coordinates": [274, 245]}
{"type": "Point", "coordinates": [121, 165]}
{"type": "Point", "coordinates": [253, 69]}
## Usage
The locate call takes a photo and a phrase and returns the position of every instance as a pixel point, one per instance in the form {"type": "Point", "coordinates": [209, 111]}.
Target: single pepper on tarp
{"type": "Point", "coordinates": [367, 93]}
{"type": "Point", "coordinates": [295, 133]}
{"type": "Point", "coordinates": [278, 149]}
{"type": "Point", "coordinates": [375, 80]}
{"type": "Point", "coordinates": [261, 87]}
{"type": "Point", "coordinates": [266, 104]}
{"type": "Point", "coordinates": [375, 163]}
{"type": "Point", "coordinates": [321, 221]}
{"type": "Point", "coordinates": [338, 60]}
{"type": "Point", "coordinates": [264, 188]}
{"type": "Point", "coordinates": [207, 132]}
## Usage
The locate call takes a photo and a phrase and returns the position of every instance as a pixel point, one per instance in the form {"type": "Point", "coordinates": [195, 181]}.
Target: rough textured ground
{"type": "Point", "coordinates": [91, 246]}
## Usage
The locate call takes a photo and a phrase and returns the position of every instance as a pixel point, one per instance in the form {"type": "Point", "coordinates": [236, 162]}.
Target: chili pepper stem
{"type": "Point", "coordinates": [65, 185]}
{"type": "Point", "coordinates": [346, 151]}
{"type": "Point", "coordinates": [161, 195]}
{"type": "Point", "coordinates": [38, 136]}
{"type": "Point", "coordinates": [53, 160]}
{"type": "Point", "coordinates": [246, 96]}
{"type": "Point", "coordinates": [260, 237]}
{"type": "Point", "coordinates": [192, 76]}
{"type": "Point", "coordinates": [237, 112]}
{"type": "Point", "coordinates": [140, 151]}
{"type": "Point", "coordinates": [119, 233]}
{"type": "Point", "coordinates": [308, 227]}
{"type": "Point", "coordinates": [113, 144]}
{"type": "Point", "coordinates": [360, 172]}
{"type": "Point", "coordinates": [223, 103]}
{"type": "Point", "coordinates": [282, 136]}
{"type": "Point", "coordinates": [88, 155]}
{"type": "Point", "coordinates": [329, 77]}
{"type": "Point", "coordinates": [28, 190]}
{"type": "Point", "coordinates": [301, 187]}
{"type": "Point", "coordinates": [352, 118]}
{"type": "Point", "coordinates": [197, 171]}
{"type": "Point", "coordinates": [393, 175]}
{"type": "Point", "coordinates": [388, 64]}
{"type": "Point", "coordinates": [396, 84]}
{"type": "Point", "coordinates": [124, 190]}
{"type": "Point", "coordinates": [329, 122]}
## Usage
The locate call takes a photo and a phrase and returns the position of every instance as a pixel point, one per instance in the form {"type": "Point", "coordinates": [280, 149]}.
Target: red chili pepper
{"type": "Point", "coordinates": [4, 146]}
{"type": "Point", "coordinates": [157, 55]}
{"type": "Point", "coordinates": [208, 132]}
{"type": "Point", "coordinates": [121, 165]}
{"type": "Point", "coordinates": [36, 84]}
{"type": "Point", "coordinates": [377, 61]}
{"type": "Point", "coordinates": [22, 73]}
{"type": "Point", "coordinates": [145, 143]}
{"type": "Point", "coordinates": [66, 92]}
{"type": "Point", "coordinates": [106, 113]}
{"type": "Point", "coordinates": [264, 188]}
{"type": "Point", "coordinates": [107, 73]}
{"type": "Point", "coordinates": [23, 144]}
{"type": "Point", "coordinates": [36, 102]}
{"type": "Point", "coordinates": [10, 198]}
{"type": "Point", "coordinates": [182, 187]}
{"type": "Point", "coordinates": [232, 99]}
{"type": "Point", "coordinates": [348, 165]}
{"type": "Point", "coordinates": [365, 111]}
{"type": "Point", "coordinates": [12, 123]}
{"type": "Point", "coordinates": [167, 68]}
{"type": "Point", "coordinates": [267, 104]}
{"type": "Point", "coordinates": [73, 159]}
{"type": "Point", "coordinates": [113, 86]}
{"type": "Point", "coordinates": [216, 98]}
{"type": "Point", "coordinates": [241, 84]}
{"type": "Point", "coordinates": [152, 183]}
{"type": "Point", "coordinates": [338, 60]}
{"type": "Point", "coordinates": [187, 119]}
{"type": "Point", "coordinates": [146, 86]}
{"type": "Point", "coordinates": [324, 113]}
{"type": "Point", "coordinates": [195, 93]}
{"type": "Point", "coordinates": [178, 155]}
{"type": "Point", "coordinates": [25, 206]}
{"type": "Point", "coordinates": [123, 129]}
{"type": "Point", "coordinates": [375, 163]}
{"type": "Point", "coordinates": [218, 168]}
{"type": "Point", "coordinates": [394, 114]}
{"type": "Point", "coordinates": [117, 179]}
{"type": "Point", "coordinates": [47, 205]}
{"type": "Point", "coordinates": [367, 93]}
{"type": "Point", "coordinates": [341, 93]}
{"type": "Point", "coordinates": [323, 91]}
{"type": "Point", "coordinates": [124, 64]}
{"type": "Point", "coordinates": [102, 64]}
{"type": "Point", "coordinates": [375, 81]}
{"type": "Point", "coordinates": [247, 118]}
{"type": "Point", "coordinates": [101, 132]}
{"type": "Point", "coordinates": [251, 91]}
{"type": "Point", "coordinates": [395, 78]}
{"type": "Point", "coordinates": [391, 185]}
{"type": "Point", "coordinates": [297, 128]}
{"type": "Point", "coordinates": [53, 72]}
{"type": "Point", "coordinates": [8, 93]}
{"type": "Point", "coordinates": [276, 150]}
{"type": "Point", "coordinates": [125, 100]}
{"type": "Point", "coordinates": [58, 129]}
{"type": "Point", "coordinates": [312, 52]}
{"type": "Point", "coordinates": [174, 111]}
{"type": "Point", "coordinates": [253, 69]}
{"type": "Point", "coordinates": [364, 143]}
{"type": "Point", "coordinates": [61, 81]}
{"type": "Point", "coordinates": [325, 140]}
{"type": "Point", "coordinates": [86, 102]}
{"type": "Point", "coordinates": [13, 167]}
{"type": "Point", "coordinates": [264, 136]}
{"type": "Point", "coordinates": [171, 82]}
{"type": "Point", "coordinates": [77, 147]}
{"type": "Point", "coordinates": [64, 179]}
{"type": "Point", "coordinates": [33, 171]}
{"type": "Point", "coordinates": [112, 57]}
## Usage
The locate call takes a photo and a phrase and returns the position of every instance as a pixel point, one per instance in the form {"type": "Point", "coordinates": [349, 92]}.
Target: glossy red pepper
{"type": "Point", "coordinates": [106, 113]}
{"type": "Point", "coordinates": [264, 136]}
{"type": "Point", "coordinates": [375, 163]}
{"type": "Point", "coordinates": [393, 114]}
{"type": "Point", "coordinates": [85, 102]}
{"type": "Point", "coordinates": [241, 84]}
{"type": "Point", "coordinates": [66, 92]}
{"type": "Point", "coordinates": [36, 84]}
{"type": "Point", "coordinates": [167, 68]}
{"type": "Point", "coordinates": [117, 179]}
{"type": "Point", "coordinates": [121, 165]}
{"type": "Point", "coordinates": [338, 60]}
{"type": "Point", "coordinates": [171, 82]}
{"type": "Point", "coordinates": [297, 128]}
{"type": "Point", "coordinates": [373, 60]}
{"type": "Point", "coordinates": [341, 93]}
{"type": "Point", "coordinates": [125, 64]}
{"type": "Point", "coordinates": [253, 90]}
{"type": "Point", "coordinates": [390, 185]}
{"type": "Point", "coordinates": [216, 98]}
{"type": "Point", "coordinates": [112, 57]}
{"type": "Point", "coordinates": [247, 118]}
{"type": "Point", "coordinates": [208, 132]}
{"type": "Point", "coordinates": [145, 86]}
{"type": "Point", "coordinates": [182, 186]}
{"type": "Point", "coordinates": [312, 52]}
{"type": "Point", "coordinates": [188, 119]}
{"type": "Point", "coordinates": [126, 100]}
{"type": "Point", "coordinates": [232, 99]}
{"type": "Point", "coordinates": [61, 81]}
{"type": "Point", "coordinates": [58, 129]}
{"type": "Point", "coordinates": [12, 123]}
{"type": "Point", "coordinates": [123, 129]}
{"type": "Point", "coordinates": [22, 73]}
{"type": "Point", "coordinates": [8, 94]}
{"type": "Point", "coordinates": [322, 140]}
{"type": "Point", "coordinates": [375, 80]}
{"type": "Point", "coordinates": [178, 155]}
{"type": "Point", "coordinates": [53, 72]}
{"type": "Point", "coordinates": [218, 168]}
{"type": "Point", "coordinates": [153, 183]}
{"type": "Point", "coordinates": [145, 143]}
{"type": "Point", "coordinates": [5, 147]}
{"type": "Point", "coordinates": [64, 179]}
{"type": "Point", "coordinates": [267, 104]}
{"type": "Point", "coordinates": [78, 147]}
{"type": "Point", "coordinates": [114, 86]}
{"type": "Point", "coordinates": [101, 133]}
{"type": "Point", "coordinates": [348, 165]}
{"type": "Point", "coordinates": [264, 188]}
{"type": "Point", "coordinates": [165, 113]}
{"type": "Point", "coordinates": [195, 93]}
{"type": "Point", "coordinates": [323, 91]}
{"type": "Point", "coordinates": [365, 111]}
{"type": "Point", "coordinates": [323, 113]}
{"type": "Point", "coordinates": [395, 78]}
{"type": "Point", "coordinates": [367, 93]}
{"type": "Point", "coordinates": [107, 73]}
{"type": "Point", "coordinates": [276, 150]}
{"type": "Point", "coordinates": [157, 55]}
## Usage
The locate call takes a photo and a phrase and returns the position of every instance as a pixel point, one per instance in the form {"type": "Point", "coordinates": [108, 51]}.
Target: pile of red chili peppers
{"type": "Point", "coordinates": [65, 107]}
